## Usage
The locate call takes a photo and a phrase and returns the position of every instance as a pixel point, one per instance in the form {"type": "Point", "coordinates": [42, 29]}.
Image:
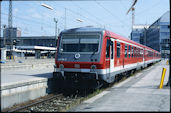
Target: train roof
{"type": "Point", "coordinates": [108, 33]}
{"type": "Point", "coordinates": [83, 29]}
{"type": "Point", "coordinates": [116, 36]}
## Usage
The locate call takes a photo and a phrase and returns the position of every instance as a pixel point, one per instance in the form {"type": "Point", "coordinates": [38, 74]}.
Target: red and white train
{"type": "Point", "coordinates": [91, 55]}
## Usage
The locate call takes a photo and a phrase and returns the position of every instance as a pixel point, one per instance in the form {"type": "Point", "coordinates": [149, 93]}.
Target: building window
{"type": "Point", "coordinates": [165, 27]}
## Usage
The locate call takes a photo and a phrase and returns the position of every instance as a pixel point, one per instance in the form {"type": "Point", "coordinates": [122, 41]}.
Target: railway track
{"type": "Point", "coordinates": [55, 102]}
{"type": "Point", "coordinates": [49, 103]}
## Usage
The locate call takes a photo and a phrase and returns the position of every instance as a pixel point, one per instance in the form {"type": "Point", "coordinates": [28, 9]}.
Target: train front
{"type": "Point", "coordinates": [78, 58]}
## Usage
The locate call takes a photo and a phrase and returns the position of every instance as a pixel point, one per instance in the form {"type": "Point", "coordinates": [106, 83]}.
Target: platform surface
{"type": "Point", "coordinates": [28, 70]}
{"type": "Point", "coordinates": [138, 93]}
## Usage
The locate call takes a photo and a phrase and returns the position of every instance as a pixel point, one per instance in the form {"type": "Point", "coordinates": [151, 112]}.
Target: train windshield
{"type": "Point", "coordinates": [79, 43]}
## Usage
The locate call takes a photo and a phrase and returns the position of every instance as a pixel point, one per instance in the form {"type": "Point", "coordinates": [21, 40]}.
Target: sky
{"type": "Point", "coordinates": [35, 20]}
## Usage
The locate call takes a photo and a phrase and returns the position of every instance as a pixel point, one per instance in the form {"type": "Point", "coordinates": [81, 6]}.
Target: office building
{"type": "Point", "coordinates": [158, 35]}
{"type": "Point", "coordinates": [138, 33]}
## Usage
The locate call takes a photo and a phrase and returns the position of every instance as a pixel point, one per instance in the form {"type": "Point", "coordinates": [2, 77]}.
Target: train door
{"type": "Point", "coordinates": [143, 57]}
{"type": "Point", "coordinates": [109, 58]}
{"type": "Point", "coordinates": [111, 55]}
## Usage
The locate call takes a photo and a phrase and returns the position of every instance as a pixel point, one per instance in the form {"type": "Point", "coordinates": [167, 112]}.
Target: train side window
{"type": "Point", "coordinates": [129, 51]}
{"type": "Point", "coordinates": [132, 53]}
{"type": "Point", "coordinates": [111, 43]}
{"type": "Point", "coordinates": [126, 50]}
{"type": "Point", "coordinates": [148, 53]}
{"type": "Point", "coordinates": [107, 48]}
{"type": "Point", "coordinates": [118, 49]}
{"type": "Point", "coordinates": [135, 52]}
{"type": "Point", "coordinates": [141, 52]}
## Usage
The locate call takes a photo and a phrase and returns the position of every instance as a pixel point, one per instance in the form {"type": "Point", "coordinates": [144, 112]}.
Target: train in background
{"type": "Point", "coordinates": [90, 57]}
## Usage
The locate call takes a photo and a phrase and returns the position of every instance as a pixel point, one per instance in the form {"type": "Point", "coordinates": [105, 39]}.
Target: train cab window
{"type": "Point", "coordinates": [126, 50]}
{"type": "Point", "coordinates": [129, 51]}
{"type": "Point", "coordinates": [79, 43]}
{"type": "Point", "coordinates": [118, 49]}
{"type": "Point", "coordinates": [107, 48]}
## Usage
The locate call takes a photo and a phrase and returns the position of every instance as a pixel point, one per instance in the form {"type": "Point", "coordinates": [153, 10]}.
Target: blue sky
{"type": "Point", "coordinates": [35, 20]}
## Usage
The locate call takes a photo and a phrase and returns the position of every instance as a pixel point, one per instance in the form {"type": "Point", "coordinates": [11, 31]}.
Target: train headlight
{"type": "Point", "coordinates": [61, 66]}
{"type": "Point", "coordinates": [93, 67]}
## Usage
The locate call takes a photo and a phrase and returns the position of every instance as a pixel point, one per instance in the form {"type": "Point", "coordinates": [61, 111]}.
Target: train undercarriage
{"type": "Point", "coordinates": [77, 80]}
{"type": "Point", "coordinates": [86, 80]}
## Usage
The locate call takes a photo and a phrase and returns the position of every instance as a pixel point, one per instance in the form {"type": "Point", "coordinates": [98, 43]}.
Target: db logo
{"type": "Point", "coordinates": [77, 55]}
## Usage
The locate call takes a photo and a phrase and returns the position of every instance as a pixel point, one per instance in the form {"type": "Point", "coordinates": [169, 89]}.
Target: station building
{"type": "Point", "coordinates": [138, 33]}
{"type": "Point", "coordinates": [156, 36]}
{"type": "Point", "coordinates": [27, 45]}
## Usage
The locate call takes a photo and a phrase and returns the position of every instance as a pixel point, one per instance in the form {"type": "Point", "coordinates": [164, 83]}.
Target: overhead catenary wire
{"type": "Point", "coordinates": [94, 19]}
{"type": "Point", "coordinates": [149, 8]}
{"type": "Point", "coordinates": [28, 20]}
{"type": "Point", "coordinates": [33, 31]}
{"type": "Point", "coordinates": [76, 13]}
{"type": "Point", "coordinates": [118, 19]}
{"type": "Point", "coordinates": [97, 19]}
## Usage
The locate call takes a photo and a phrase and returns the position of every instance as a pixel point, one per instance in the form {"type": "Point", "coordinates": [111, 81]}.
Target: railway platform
{"type": "Point", "coordinates": [25, 79]}
{"type": "Point", "coordinates": [137, 93]}
{"type": "Point", "coordinates": [140, 92]}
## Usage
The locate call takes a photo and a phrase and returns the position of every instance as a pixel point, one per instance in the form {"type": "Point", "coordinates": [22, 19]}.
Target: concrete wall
{"type": "Point", "coordinates": [3, 54]}
{"type": "Point", "coordinates": [18, 93]}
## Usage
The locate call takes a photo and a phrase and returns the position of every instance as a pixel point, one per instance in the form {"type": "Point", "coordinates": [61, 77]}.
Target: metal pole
{"type": "Point", "coordinates": [162, 78]}
{"type": "Point", "coordinates": [10, 26]}
{"type": "Point", "coordinates": [65, 19]}
{"type": "Point", "coordinates": [168, 83]}
{"type": "Point", "coordinates": [4, 36]}
{"type": "Point", "coordinates": [56, 21]}
{"type": "Point", "coordinates": [0, 20]}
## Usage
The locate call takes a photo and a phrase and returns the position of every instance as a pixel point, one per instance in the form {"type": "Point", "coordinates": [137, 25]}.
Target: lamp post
{"type": "Point", "coordinates": [55, 20]}
{"type": "Point", "coordinates": [79, 20]}
{"type": "Point", "coordinates": [46, 6]}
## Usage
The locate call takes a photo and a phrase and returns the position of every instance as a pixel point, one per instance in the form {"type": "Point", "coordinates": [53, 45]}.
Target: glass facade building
{"type": "Point", "coordinates": [138, 34]}
{"type": "Point", "coordinates": [158, 35]}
